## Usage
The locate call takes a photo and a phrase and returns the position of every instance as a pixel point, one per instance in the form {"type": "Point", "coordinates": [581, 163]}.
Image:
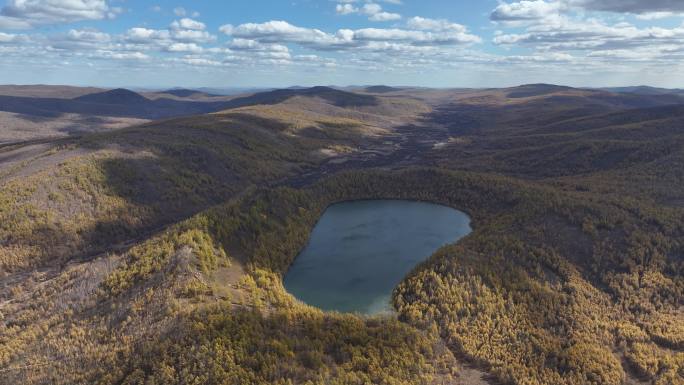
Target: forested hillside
{"type": "Point", "coordinates": [155, 254]}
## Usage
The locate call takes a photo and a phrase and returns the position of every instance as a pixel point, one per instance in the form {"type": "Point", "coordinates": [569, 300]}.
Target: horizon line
{"type": "Point", "coordinates": [163, 87]}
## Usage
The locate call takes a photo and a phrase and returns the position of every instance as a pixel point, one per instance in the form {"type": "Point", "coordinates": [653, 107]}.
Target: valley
{"type": "Point", "coordinates": [155, 252]}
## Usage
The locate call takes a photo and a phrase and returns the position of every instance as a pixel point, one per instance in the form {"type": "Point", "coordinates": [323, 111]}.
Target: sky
{"type": "Point", "coordinates": [279, 43]}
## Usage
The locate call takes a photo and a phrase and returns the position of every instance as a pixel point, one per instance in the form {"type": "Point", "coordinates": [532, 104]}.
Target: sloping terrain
{"type": "Point", "coordinates": [155, 253]}
{"type": "Point", "coordinates": [172, 168]}
{"type": "Point", "coordinates": [646, 90]}
{"type": "Point", "coordinates": [183, 94]}
{"type": "Point", "coordinates": [119, 103]}
{"type": "Point", "coordinates": [25, 117]}
{"type": "Point", "coordinates": [16, 128]}
{"type": "Point", "coordinates": [336, 97]}
{"type": "Point", "coordinates": [47, 91]}
{"type": "Point", "coordinates": [381, 89]}
{"type": "Point", "coordinates": [572, 139]}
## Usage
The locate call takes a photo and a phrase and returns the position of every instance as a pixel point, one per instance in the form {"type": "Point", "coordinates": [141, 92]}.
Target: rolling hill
{"type": "Point", "coordinates": [381, 89]}
{"type": "Point", "coordinates": [118, 103]}
{"type": "Point", "coordinates": [646, 90]}
{"type": "Point", "coordinates": [47, 91]}
{"type": "Point", "coordinates": [155, 253]}
{"type": "Point", "coordinates": [338, 98]}
{"type": "Point", "coordinates": [117, 96]}
{"type": "Point", "coordinates": [185, 93]}
{"type": "Point", "coordinates": [39, 112]}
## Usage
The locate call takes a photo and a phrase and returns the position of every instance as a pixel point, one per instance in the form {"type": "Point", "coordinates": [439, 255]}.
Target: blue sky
{"type": "Point", "coordinates": [264, 43]}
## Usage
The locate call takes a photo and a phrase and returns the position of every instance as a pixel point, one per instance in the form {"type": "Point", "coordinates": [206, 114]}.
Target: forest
{"type": "Point", "coordinates": [569, 277]}
{"type": "Point", "coordinates": [502, 297]}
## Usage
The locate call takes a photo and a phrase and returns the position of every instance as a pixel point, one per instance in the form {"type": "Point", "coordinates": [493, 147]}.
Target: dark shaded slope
{"type": "Point", "coordinates": [335, 97]}
{"type": "Point", "coordinates": [119, 96]}
{"type": "Point", "coordinates": [185, 93]}
{"type": "Point", "coordinates": [529, 90]}
{"type": "Point", "coordinates": [495, 110]}
{"type": "Point", "coordinates": [125, 103]}
{"type": "Point", "coordinates": [645, 90]}
{"type": "Point", "coordinates": [561, 135]}
{"type": "Point", "coordinates": [118, 103]}
{"type": "Point", "coordinates": [634, 101]}
{"type": "Point", "coordinates": [381, 89]}
{"type": "Point", "coordinates": [673, 115]}
{"type": "Point", "coordinates": [561, 95]}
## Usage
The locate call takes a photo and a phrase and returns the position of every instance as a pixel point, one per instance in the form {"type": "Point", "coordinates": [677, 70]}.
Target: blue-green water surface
{"type": "Point", "coordinates": [359, 251]}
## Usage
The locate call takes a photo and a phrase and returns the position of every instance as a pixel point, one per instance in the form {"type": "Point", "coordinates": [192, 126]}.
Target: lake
{"type": "Point", "coordinates": [360, 251]}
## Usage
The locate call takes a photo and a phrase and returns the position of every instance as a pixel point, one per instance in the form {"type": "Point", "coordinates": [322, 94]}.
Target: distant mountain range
{"type": "Point", "coordinates": [163, 104]}
{"type": "Point", "coordinates": [72, 109]}
{"type": "Point", "coordinates": [117, 102]}
{"type": "Point", "coordinates": [646, 90]}
{"type": "Point", "coordinates": [214, 91]}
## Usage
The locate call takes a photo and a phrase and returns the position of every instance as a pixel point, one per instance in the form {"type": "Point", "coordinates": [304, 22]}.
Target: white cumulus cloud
{"type": "Point", "coordinates": [187, 23]}
{"type": "Point", "coordinates": [284, 32]}
{"type": "Point", "coordinates": [374, 11]}
{"type": "Point", "coordinates": [39, 12]}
